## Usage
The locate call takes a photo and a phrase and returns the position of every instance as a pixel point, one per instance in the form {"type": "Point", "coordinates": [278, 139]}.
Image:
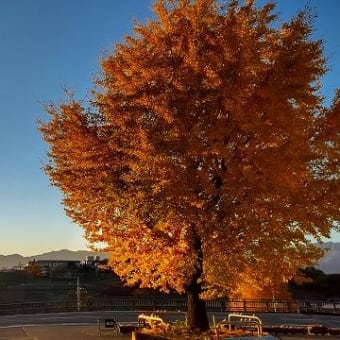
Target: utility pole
{"type": "Point", "coordinates": [78, 295]}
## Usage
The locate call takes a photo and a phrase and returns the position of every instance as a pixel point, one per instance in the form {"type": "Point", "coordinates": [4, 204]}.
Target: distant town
{"type": "Point", "coordinates": [65, 258]}
{"type": "Point", "coordinates": [45, 268]}
{"type": "Point", "coordinates": [52, 260]}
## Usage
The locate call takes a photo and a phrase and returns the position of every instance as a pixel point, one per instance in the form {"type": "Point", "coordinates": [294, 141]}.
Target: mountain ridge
{"type": "Point", "coordinates": [330, 263]}
{"type": "Point", "coordinates": [14, 260]}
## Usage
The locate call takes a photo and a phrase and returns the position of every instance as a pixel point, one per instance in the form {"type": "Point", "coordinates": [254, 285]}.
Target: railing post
{"type": "Point", "coordinates": [297, 306]}
{"type": "Point", "coordinates": [78, 295]}
{"type": "Point", "coordinates": [267, 306]}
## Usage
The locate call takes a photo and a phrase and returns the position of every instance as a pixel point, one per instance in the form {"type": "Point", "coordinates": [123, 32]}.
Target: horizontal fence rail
{"type": "Point", "coordinates": [170, 304]}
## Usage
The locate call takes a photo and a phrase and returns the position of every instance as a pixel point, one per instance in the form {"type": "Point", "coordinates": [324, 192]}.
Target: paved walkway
{"type": "Point", "coordinates": [85, 332]}
{"type": "Point", "coordinates": [56, 333]}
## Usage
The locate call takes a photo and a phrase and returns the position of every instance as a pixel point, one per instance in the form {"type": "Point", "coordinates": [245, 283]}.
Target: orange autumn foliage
{"type": "Point", "coordinates": [206, 156]}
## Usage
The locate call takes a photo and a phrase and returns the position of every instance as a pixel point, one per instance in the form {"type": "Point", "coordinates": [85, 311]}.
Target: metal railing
{"type": "Point", "coordinates": [153, 303]}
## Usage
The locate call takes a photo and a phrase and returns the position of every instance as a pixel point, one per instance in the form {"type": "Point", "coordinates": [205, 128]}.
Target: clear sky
{"type": "Point", "coordinates": [47, 45]}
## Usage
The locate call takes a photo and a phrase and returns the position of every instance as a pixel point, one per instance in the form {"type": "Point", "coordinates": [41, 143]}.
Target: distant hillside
{"type": "Point", "coordinates": [330, 264]}
{"type": "Point", "coordinates": [10, 261]}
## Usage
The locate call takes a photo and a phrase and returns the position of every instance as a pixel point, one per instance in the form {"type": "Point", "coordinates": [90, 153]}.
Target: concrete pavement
{"type": "Point", "coordinates": [83, 325]}
{"type": "Point", "coordinates": [88, 318]}
{"type": "Point", "coordinates": [88, 332]}
{"type": "Point", "coordinates": [56, 333]}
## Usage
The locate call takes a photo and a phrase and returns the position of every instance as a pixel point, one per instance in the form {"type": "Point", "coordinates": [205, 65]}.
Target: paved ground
{"type": "Point", "coordinates": [56, 333]}
{"type": "Point", "coordinates": [82, 326]}
{"type": "Point", "coordinates": [89, 332]}
{"type": "Point", "coordinates": [89, 318]}
{"type": "Point", "coordinates": [85, 333]}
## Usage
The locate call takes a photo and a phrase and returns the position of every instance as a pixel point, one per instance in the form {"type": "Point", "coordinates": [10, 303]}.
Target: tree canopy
{"type": "Point", "coordinates": [206, 161]}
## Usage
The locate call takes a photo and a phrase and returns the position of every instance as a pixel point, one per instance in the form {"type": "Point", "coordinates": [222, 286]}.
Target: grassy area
{"type": "Point", "coordinates": [21, 287]}
{"type": "Point", "coordinates": [18, 286]}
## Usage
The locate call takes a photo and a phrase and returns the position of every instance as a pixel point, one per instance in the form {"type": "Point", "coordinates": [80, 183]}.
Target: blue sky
{"type": "Point", "coordinates": [47, 45]}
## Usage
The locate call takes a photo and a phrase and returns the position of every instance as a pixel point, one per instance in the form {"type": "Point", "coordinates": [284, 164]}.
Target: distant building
{"type": "Point", "coordinates": [92, 261]}
{"type": "Point", "coordinates": [56, 264]}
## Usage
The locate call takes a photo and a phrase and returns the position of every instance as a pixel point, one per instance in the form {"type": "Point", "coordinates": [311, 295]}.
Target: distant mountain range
{"type": "Point", "coordinates": [329, 264]}
{"type": "Point", "coordinates": [10, 261]}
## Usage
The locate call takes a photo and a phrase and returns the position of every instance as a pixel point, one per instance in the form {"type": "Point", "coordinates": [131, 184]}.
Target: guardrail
{"type": "Point", "coordinates": [150, 303]}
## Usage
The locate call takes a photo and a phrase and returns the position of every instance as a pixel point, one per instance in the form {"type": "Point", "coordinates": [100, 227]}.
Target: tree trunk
{"type": "Point", "coordinates": [197, 317]}
{"type": "Point", "coordinates": [196, 309]}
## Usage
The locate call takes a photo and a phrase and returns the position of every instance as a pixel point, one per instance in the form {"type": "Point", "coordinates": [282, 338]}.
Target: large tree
{"type": "Point", "coordinates": [206, 162]}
